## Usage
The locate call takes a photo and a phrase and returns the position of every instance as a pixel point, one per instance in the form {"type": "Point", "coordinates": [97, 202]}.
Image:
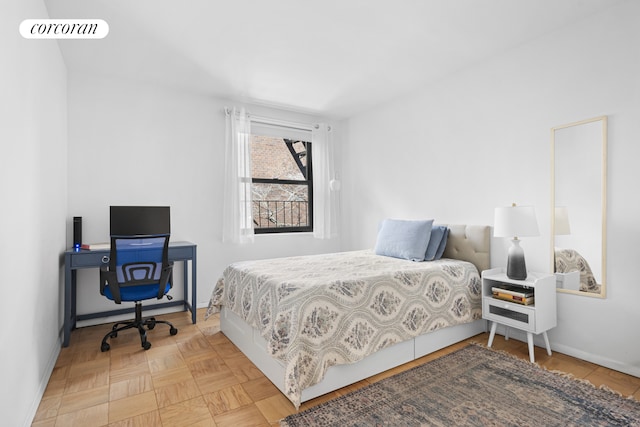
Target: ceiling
{"type": "Point", "coordinates": [332, 57]}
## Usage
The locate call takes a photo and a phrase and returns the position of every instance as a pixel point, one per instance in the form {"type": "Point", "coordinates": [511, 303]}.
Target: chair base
{"type": "Point", "coordinates": [138, 323]}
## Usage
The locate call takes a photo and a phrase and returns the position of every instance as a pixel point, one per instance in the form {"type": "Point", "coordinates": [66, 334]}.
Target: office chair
{"type": "Point", "coordinates": [138, 270]}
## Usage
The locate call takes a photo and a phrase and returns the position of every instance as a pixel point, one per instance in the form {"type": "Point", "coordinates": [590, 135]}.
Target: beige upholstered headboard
{"type": "Point", "coordinates": [470, 243]}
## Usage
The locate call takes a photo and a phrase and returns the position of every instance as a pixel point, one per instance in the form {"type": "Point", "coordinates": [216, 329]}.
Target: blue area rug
{"type": "Point", "coordinates": [474, 386]}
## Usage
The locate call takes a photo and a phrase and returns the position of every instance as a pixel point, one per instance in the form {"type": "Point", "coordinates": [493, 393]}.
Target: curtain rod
{"type": "Point", "coordinates": [279, 122]}
{"type": "Point", "coordinates": [283, 123]}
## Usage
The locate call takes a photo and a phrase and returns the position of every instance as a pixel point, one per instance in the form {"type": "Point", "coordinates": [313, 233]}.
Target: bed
{"type": "Point", "coordinates": [313, 324]}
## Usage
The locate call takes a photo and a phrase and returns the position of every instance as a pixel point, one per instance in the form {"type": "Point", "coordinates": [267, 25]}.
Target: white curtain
{"type": "Point", "coordinates": [236, 221]}
{"type": "Point", "coordinates": [325, 184]}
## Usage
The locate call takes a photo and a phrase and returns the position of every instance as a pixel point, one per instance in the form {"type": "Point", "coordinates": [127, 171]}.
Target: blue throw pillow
{"type": "Point", "coordinates": [443, 244]}
{"type": "Point", "coordinates": [437, 233]}
{"type": "Point", "coordinates": [404, 239]}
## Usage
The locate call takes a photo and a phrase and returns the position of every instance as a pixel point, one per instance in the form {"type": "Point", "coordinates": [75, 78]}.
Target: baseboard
{"type": "Point", "coordinates": [128, 316]}
{"type": "Point", "coordinates": [44, 381]}
{"type": "Point", "coordinates": [145, 313]}
{"type": "Point", "coordinates": [597, 359]}
{"type": "Point", "coordinates": [574, 352]}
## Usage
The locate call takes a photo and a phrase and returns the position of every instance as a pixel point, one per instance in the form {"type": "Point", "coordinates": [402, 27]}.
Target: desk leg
{"type": "Point", "coordinates": [194, 288]}
{"type": "Point", "coordinates": [185, 280]}
{"type": "Point", "coordinates": [185, 283]}
{"type": "Point", "coordinates": [68, 295]}
{"type": "Point", "coordinates": [74, 299]}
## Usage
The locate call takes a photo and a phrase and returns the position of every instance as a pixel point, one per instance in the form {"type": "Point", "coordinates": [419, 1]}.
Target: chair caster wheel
{"type": "Point", "coordinates": [151, 325]}
{"type": "Point", "coordinates": [104, 347]}
{"type": "Point", "coordinates": [113, 335]}
{"type": "Point", "coordinates": [173, 331]}
{"type": "Point", "coordinates": [146, 345]}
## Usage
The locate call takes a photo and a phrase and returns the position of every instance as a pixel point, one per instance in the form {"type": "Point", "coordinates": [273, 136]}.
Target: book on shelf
{"type": "Point", "coordinates": [514, 298]}
{"type": "Point", "coordinates": [513, 290]}
{"type": "Point", "coordinates": [95, 246]}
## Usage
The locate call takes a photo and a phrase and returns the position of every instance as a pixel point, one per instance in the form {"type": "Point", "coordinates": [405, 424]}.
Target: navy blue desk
{"type": "Point", "coordinates": [77, 259]}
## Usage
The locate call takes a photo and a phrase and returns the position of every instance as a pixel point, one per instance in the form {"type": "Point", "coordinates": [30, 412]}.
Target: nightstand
{"type": "Point", "coordinates": [535, 318]}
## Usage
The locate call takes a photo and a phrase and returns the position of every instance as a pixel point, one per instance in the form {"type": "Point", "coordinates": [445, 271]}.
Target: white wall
{"type": "Point", "coordinates": [132, 143]}
{"type": "Point", "coordinates": [33, 193]}
{"type": "Point", "coordinates": [480, 139]}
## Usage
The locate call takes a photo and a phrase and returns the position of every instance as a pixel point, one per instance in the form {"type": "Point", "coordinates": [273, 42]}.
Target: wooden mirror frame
{"type": "Point", "coordinates": [603, 260]}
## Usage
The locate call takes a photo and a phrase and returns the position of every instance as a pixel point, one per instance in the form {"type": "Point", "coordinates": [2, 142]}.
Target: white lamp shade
{"type": "Point", "coordinates": [515, 221]}
{"type": "Point", "coordinates": [561, 224]}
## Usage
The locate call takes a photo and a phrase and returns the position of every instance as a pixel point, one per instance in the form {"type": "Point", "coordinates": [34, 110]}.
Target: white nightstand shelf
{"type": "Point", "coordinates": [536, 318]}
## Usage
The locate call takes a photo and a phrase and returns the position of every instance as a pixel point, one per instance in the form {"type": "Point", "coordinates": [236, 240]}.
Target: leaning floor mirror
{"type": "Point", "coordinates": [579, 206]}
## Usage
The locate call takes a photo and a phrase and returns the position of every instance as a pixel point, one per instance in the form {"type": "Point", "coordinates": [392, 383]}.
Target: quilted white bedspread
{"type": "Point", "coordinates": [323, 310]}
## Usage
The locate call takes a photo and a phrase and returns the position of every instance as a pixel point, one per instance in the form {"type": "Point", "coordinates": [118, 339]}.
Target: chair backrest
{"type": "Point", "coordinates": [139, 260]}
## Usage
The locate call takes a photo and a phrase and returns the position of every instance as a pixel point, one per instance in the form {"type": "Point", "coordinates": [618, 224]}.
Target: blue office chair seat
{"type": "Point", "coordinates": [136, 293]}
{"type": "Point", "coordinates": [138, 270]}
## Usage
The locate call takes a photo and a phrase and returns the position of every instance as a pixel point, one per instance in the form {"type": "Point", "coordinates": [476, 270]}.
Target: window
{"type": "Point", "coordinates": [282, 184]}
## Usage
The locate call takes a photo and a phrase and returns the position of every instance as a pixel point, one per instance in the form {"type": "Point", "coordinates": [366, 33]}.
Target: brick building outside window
{"type": "Point", "coordinates": [282, 187]}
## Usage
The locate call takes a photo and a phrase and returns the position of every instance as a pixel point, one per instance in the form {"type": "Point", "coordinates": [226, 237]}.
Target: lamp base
{"type": "Point", "coordinates": [516, 267]}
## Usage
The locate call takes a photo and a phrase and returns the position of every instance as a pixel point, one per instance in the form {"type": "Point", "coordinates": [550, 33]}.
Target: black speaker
{"type": "Point", "coordinates": [77, 231]}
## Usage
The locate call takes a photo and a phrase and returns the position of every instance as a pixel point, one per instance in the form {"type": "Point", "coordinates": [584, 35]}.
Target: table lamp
{"type": "Point", "coordinates": [515, 221]}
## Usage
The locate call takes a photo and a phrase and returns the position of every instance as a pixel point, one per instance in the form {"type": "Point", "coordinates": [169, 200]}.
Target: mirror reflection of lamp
{"type": "Point", "coordinates": [567, 278]}
{"type": "Point", "coordinates": [560, 228]}
{"type": "Point", "coordinates": [514, 221]}
{"type": "Point", "coordinates": [562, 221]}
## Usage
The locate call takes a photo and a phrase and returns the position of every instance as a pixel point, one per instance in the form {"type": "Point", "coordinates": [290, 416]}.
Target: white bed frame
{"type": "Point", "coordinates": [466, 242]}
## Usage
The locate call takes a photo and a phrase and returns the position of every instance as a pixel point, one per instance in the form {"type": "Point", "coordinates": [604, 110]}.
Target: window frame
{"type": "Point", "coordinates": [308, 182]}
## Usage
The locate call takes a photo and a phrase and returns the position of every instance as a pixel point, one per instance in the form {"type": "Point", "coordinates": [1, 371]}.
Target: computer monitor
{"type": "Point", "coordinates": [139, 220]}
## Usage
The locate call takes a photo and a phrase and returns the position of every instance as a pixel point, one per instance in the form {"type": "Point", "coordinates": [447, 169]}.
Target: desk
{"type": "Point", "coordinates": [77, 259]}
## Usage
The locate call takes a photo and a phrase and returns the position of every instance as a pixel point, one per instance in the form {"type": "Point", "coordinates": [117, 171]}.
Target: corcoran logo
{"type": "Point", "coordinates": [64, 29]}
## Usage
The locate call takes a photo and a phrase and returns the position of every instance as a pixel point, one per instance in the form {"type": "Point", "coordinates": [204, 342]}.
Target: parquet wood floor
{"type": "Point", "coordinates": [199, 378]}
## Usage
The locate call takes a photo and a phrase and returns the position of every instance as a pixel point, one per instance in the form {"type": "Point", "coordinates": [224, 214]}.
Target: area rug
{"type": "Point", "coordinates": [474, 386]}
